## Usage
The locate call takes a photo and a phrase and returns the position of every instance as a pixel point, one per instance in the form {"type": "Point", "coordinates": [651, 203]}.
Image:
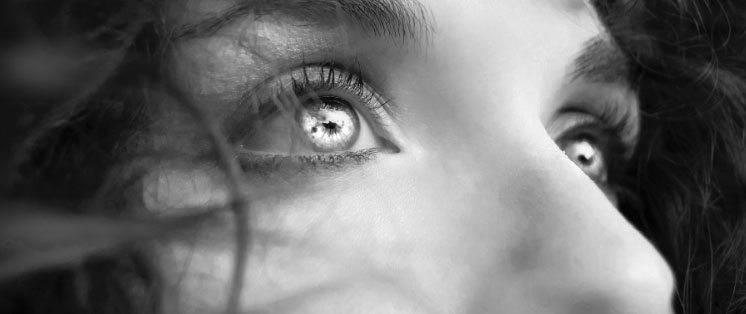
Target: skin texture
{"type": "Point", "coordinates": [477, 211]}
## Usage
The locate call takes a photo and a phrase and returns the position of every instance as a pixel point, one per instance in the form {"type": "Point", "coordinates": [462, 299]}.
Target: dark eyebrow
{"type": "Point", "coordinates": [401, 19]}
{"type": "Point", "coordinates": [601, 61]}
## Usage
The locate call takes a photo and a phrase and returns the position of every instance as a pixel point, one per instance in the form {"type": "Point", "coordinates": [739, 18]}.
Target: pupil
{"type": "Point", "coordinates": [330, 125]}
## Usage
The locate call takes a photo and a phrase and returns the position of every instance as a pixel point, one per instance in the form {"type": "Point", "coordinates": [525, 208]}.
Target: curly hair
{"type": "Point", "coordinates": [690, 68]}
{"type": "Point", "coordinates": [688, 60]}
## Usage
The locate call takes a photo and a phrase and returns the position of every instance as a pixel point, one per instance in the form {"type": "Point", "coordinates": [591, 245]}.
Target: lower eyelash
{"type": "Point", "coordinates": [266, 164]}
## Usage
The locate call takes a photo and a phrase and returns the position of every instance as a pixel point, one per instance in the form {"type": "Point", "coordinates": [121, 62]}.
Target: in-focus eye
{"type": "Point", "coordinates": [587, 156]}
{"type": "Point", "coordinates": [314, 115]}
{"type": "Point", "coordinates": [330, 123]}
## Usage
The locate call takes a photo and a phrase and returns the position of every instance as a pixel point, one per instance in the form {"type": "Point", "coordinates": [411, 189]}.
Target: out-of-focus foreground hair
{"type": "Point", "coordinates": [77, 75]}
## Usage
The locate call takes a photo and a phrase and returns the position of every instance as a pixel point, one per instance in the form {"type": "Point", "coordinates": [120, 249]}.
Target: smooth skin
{"type": "Point", "coordinates": [479, 210]}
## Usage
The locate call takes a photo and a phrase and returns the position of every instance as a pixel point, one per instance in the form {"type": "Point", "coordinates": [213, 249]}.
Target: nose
{"type": "Point", "coordinates": [579, 254]}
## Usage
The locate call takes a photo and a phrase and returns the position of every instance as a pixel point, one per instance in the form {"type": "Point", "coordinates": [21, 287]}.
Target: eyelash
{"type": "Point", "coordinates": [267, 165]}
{"type": "Point", "coordinates": [598, 128]}
{"type": "Point", "coordinates": [352, 80]}
{"type": "Point", "coordinates": [316, 78]}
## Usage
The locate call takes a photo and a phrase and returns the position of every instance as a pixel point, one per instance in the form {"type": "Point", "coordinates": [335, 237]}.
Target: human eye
{"type": "Point", "coordinates": [596, 143]}
{"type": "Point", "coordinates": [314, 117]}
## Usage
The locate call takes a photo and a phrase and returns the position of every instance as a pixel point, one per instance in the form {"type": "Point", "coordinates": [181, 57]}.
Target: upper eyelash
{"type": "Point", "coordinates": [328, 75]}
{"type": "Point", "coordinates": [352, 78]}
{"type": "Point", "coordinates": [611, 122]}
{"type": "Point", "coordinates": [606, 116]}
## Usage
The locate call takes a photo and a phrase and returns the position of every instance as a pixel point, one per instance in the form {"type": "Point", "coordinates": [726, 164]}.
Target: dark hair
{"type": "Point", "coordinates": [688, 60]}
{"type": "Point", "coordinates": [84, 118]}
{"type": "Point", "coordinates": [690, 68]}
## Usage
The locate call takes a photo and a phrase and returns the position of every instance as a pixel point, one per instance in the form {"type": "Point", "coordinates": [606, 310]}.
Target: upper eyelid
{"type": "Point", "coordinates": [322, 75]}
{"type": "Point", "coordinates": [616, 104]}
{"type": "Point", "coordinates": [356, 78]}
{"type": "Point", "coordinates": [351, 78]}
{"type": "Point", "coordinates": [284, 72]}
{"type": "Point", "coordinates": [567, 120]}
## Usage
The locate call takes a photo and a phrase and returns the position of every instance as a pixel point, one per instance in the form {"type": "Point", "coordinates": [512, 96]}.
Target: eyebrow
{"type": "Point", "coordinates": [601, 61]}
{"type": "Point", "coordinates": [399, 19]}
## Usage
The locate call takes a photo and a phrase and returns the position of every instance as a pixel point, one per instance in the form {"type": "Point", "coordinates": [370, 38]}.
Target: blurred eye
{"type": "Point", "coordinates": [588, 157]}
{"type": "Point", "coordinates": [593, 142]}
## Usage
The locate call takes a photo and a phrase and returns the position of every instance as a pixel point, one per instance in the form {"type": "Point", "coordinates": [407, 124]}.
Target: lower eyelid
{"type": "Point", "coordinates": [271, 164]}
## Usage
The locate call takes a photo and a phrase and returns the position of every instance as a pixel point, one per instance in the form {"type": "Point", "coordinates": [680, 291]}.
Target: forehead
{"type": "Point", "coordinates": [525, 27]}
{"type": "Point", "coordinates": [189, 11]}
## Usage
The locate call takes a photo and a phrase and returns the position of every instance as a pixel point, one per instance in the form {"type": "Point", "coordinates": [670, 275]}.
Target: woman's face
{"type": "Point", "coordinates": [405, 156]}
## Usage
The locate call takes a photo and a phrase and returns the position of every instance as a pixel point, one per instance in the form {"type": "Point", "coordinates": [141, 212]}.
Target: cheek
{"type": "Point", "coordinates": [380, 222]}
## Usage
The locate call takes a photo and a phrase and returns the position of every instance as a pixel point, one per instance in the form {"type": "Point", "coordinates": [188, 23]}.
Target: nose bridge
{"type": "Point", "coordinates": [577, 250]}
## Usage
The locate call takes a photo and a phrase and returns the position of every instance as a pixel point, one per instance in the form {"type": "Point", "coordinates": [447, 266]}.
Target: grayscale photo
{"type": "Point", "coordinates": [373, 156]}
